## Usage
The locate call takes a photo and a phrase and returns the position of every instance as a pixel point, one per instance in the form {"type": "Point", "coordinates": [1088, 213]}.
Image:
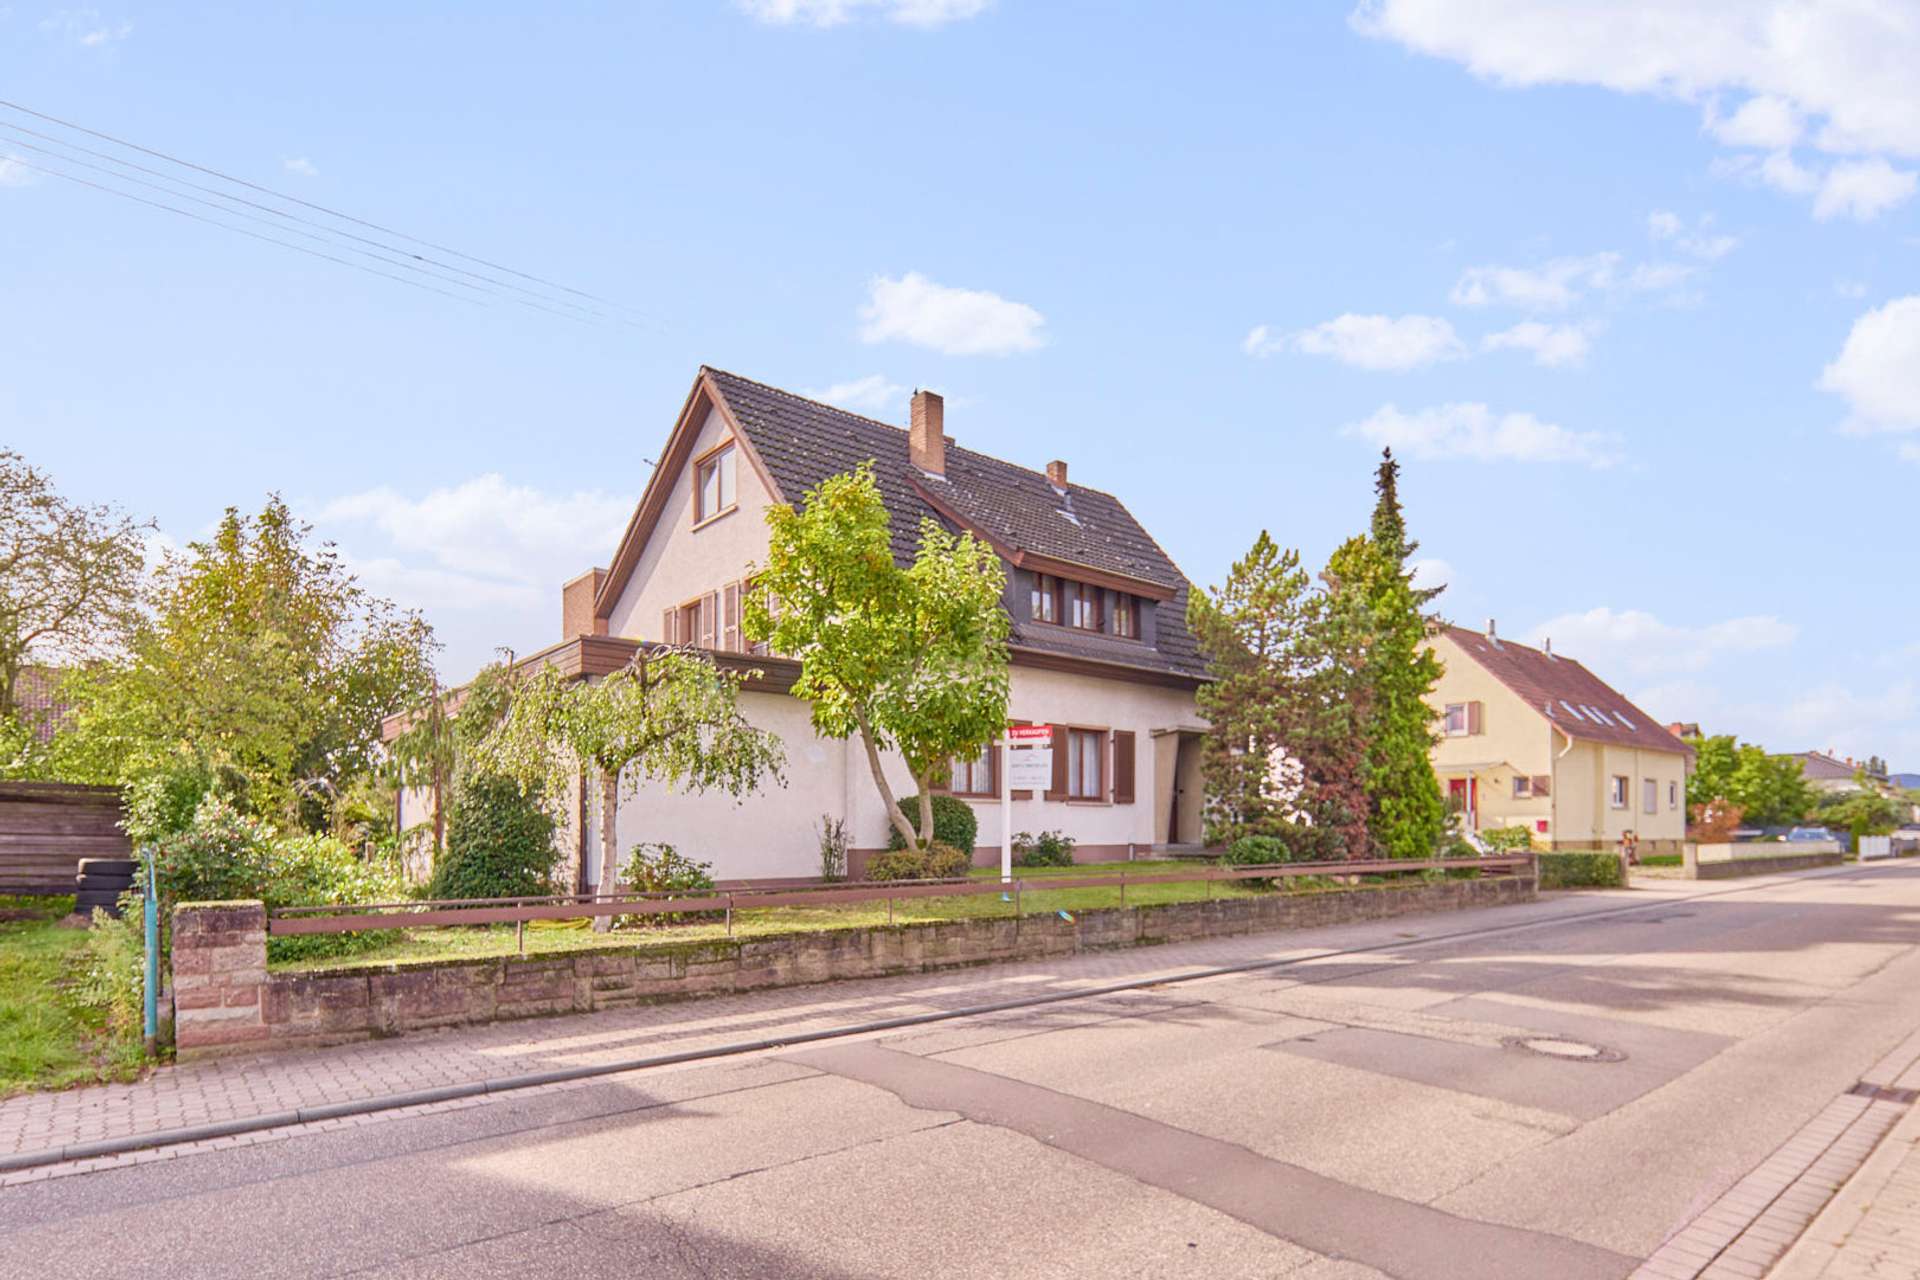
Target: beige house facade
{"type": "Point", "coordinates": [1530, 738]}
{"type": "Point", "coordinates": [1099, 645]}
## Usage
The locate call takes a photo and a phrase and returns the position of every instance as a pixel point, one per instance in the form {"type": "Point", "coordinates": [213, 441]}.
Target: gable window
{"type": "Point", "coordinates": [1456, 719]}
{"type": "Point", "coordinates": [975, 777]}
{"type": "Point", "coordinates": [1086, 761]}
{"type": "Point", "coordinates": [1617, 793]}
{"type": "Point", "coordinates": [1649, 796]}
{"type": "Point", "coordinates": [1126, 616]}
{"type": "Point", "coordinates": [1046, 598]}
{"type": "Point", "coordinates": [713, 492]}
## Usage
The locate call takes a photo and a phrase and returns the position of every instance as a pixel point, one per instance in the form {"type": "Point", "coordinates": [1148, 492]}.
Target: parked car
{"type": "Point", "coordinates": [1802, 834]}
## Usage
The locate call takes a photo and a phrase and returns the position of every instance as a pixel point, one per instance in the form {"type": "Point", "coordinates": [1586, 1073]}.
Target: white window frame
{"type": "Point", "coordinates": [1466, 719]}
{"type": "Point", "coordinates": [1079, 741]}
{"type": "Point", "coordinates": [716, 471]}
{"type": "Point", "coordinates": [1619, 791]}
{"type": "Point", "coordinates": [1673, 795]}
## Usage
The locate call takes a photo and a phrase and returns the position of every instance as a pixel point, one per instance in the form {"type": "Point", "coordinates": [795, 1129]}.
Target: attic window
{"type": "Point", "coordinates": [1596, 713]}
{"type": "Point", "coordinates": [713, 490]}
{"type": "Point", "coordinates": [1628, 723]}
{"type": "Point", "coordinates": [1572, 710]}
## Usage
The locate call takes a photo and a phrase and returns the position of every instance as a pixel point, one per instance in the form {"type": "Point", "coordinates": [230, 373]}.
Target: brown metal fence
{"type": "Point", "coordinates": [356, 917]}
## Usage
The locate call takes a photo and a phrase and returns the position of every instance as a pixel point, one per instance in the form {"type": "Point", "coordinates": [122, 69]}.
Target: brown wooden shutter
{"type": "Point", "coordinates": [668, 617]}
{"type": "Point", "coordinates": [1473, 717]}
{"type": "Point", "coordinates": [730, 618]}
{"type": "Point", "coordinates": [1542, 784]}
{"type": "Point", "coordinates": [1123, 766]}
{"type": "Point", "coordinates": [709, 618]}
{"type": "Point", "coordinates": [993, 769]}
{"type": "Point", "coordinates": [1058, 791]}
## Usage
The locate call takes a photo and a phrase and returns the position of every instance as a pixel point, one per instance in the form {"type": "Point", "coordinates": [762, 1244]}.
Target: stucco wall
{"type": "Point", "coordinates": [681, 562]}
{"type": "Point", "coordinates": [1512, 735]}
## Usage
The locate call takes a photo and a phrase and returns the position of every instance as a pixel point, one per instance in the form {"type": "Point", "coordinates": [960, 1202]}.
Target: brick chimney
{"type": "Point", "coordinates": [576, 606]}
{"type": "Point", "coordinates": [1057, 474]}
{"type": "Point", "coordinates": [926, 437]}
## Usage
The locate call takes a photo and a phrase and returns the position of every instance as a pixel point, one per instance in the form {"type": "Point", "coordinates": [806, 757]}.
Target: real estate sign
{"type": "Point", "coordinates": [1029, 767]}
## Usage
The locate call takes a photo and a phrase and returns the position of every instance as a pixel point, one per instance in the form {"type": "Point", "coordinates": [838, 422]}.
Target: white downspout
{"type": "Point", "coordinates": [1553, 774]}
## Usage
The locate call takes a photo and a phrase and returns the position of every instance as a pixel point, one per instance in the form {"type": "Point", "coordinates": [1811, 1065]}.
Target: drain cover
{"type": "Point", "coordinates": [1564, 1049]}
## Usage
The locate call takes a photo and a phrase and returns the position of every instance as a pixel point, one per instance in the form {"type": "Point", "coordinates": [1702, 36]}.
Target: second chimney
{"type": "Point", "coordinates": [1057, 474]}
{"type": "Point", "coordinates": [926, 437]}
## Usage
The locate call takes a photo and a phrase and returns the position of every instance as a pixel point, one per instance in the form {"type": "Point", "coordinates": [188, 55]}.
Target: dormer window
{"type": "Point", "coordinates": [1083, 606]}
{"type": "Point", "coordinates": [713, 491]}
{"type": "Point", "coordinates": [1126, 616]}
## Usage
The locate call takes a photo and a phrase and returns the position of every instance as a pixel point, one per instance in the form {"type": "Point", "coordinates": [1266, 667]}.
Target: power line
{"type": "Point", "coordinates": [265, 208]}
{"type": "Point", "coordinates": [278, 195]}
{"type": "Point", "coordinates": [285, 244]}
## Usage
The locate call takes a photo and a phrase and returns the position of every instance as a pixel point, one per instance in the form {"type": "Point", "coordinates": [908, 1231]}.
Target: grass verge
{"type": "Point", "coordinates": [542, 937]}
{"type": "Point", "coordinates": [61, 1022]}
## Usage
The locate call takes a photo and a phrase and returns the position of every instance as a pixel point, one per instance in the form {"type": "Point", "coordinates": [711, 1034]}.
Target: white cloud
{"type": "Point", "coordinates": [1473, 432]}
{"type": "Point", "coordinates": [1863, 189]}
{"type": "Point", "coordinates": [484, 560]}
{"type": "Point", "coordinates": [1431, 572]}
{"type": "Point", "coordinates": [1850, 720]}
{"type": "Point", "coordinates": [300, 165]}
{"type": "Point", "coordinates": [14, 174]}
{"type": "Point", "coordinates": [1634, 643]}
{"type": "Point", "coordinates": [833, 13]}
{"type": "Point", "coordinates": [1700, 240]}
{"type": "Point", "coordinates": [1391, 343]}
{"type": "Point", "coordinates": [1552, 345]}
{"type": "Point", "coordinates": [1763, 122]}
{"type": "Point", "coordinates": [873, 394]}
{"type": "Point", "coordinates": [1878, 369]}
{"type": "Point", "coordinates": [1839, 73]}
{"type": "Point", "coordinates": [85, 27]}
{"type": "Point", "coordinates": [955, 322]}
{"type": "Point", "coordinates": [1850, 288]}
{"type": "Point", "coordinates": [1783, 173]}
{"type": "Point", "coordinates": [1553, 286]}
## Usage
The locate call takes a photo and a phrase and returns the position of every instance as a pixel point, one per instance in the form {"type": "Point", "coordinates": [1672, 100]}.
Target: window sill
{"type": "Point", "coordinates": [718, 515]}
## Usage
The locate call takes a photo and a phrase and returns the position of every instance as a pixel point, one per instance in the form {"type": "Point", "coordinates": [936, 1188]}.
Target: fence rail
{"type": "Point", "coordinates": [358, 917]}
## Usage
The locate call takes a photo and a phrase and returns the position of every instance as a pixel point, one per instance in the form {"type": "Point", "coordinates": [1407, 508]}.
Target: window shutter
{"type": "Point", "coordinates": [709, 618]}
{"type": "Point", "coordinates": [1542, 785]}
{"type": "Point", "coordinates": [1058, 791]}
{"type": "Point", "coordinates": [1123, 766]}
{"type": "Point", "coordinates": [993, 769]}
{"type": "Point", "coordinates": [730, 621]}
{"type": "Point", "coordinates": [1473, 717]}
{"type": "Point", "coordinates": [667, 618]}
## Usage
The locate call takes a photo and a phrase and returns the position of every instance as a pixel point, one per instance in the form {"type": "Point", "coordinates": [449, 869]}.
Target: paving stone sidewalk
{"type": "Point", "coordinates": [233, 1088]}
{"type": "Point", "coordinates": [1872, 1229]}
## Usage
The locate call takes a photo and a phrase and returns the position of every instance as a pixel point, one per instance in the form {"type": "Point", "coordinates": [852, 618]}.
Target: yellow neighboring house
{"type": "Point", "coordinates": [1529, 738]}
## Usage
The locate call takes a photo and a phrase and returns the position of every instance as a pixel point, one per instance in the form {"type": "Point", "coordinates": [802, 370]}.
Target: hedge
{"type": "Point", "coordinates": [1580, 871]}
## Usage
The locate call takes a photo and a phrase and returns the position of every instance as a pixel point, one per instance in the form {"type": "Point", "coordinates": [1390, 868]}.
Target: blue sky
{"type": "Point", "coordinates": [1634, 289]}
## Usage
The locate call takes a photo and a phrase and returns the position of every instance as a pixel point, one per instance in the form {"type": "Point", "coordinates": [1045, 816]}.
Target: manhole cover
{"type": "Point", "coordinates": [1564, 1049]}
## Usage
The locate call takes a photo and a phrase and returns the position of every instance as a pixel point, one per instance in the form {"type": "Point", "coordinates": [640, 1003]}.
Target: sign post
{"type": "Point", "coordinates": [1028, 752]}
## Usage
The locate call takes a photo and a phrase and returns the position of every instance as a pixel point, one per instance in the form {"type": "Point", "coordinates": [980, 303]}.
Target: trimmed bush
{"type": "Point", "coordinates": [1256, 851]}
{"type": "Point", "coordinates": [953, 822]}
{"type": "Point", "coordinates": [938, 862]}
{"type": "Point", "coordinates": [1580, 871]}
{"type": "Point", "coordinates": [1048, 849]}
{"type": "Point", "coordinates": [499, 844]}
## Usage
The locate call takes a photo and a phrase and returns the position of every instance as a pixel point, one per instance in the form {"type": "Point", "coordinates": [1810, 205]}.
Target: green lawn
{"type": "Point", "coordinates": [54, 1032]}
{"type": "Point", "coordinates": [493, 940]}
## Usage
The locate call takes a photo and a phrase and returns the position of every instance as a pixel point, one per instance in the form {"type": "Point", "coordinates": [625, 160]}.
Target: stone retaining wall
{"type": "Point", "coordinates": [1732, 868]}
{"type": "Point", "coordinates": [228, 1001]}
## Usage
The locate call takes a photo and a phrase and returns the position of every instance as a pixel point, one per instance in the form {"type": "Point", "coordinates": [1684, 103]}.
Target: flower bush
{"type": "Point", "coordinates": [1047, 849]}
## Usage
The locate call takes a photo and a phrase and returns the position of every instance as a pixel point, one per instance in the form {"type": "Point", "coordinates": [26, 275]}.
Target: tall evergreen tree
{"type": "Point", "coordinates": [1407, 814]}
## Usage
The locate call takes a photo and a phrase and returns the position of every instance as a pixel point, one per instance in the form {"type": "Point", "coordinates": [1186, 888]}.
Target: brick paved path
{"type": "Point", "coordinates": [1872, 1230]}
{"type": "Point", "coordinates": [224, 1089]}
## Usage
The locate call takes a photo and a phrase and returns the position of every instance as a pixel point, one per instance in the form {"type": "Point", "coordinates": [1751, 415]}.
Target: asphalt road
{"type": "Point", "coordinates": [1344, 1118]}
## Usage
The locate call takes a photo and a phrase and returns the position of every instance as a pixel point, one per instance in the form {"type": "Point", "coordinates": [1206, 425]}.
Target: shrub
{"type": "Point", "coordinates": [499, 843]}
{"type": "Point", "coordinates": [660, 868]}
{"type": "Point", "coordinates": [938, 862]}
{"type": "Point", "coordinates": [833, 847]}
{"type": "Point", "coordinates": [1048, 849]}
{"type": "Point", "coordinates": [1580, 871]}
{"type": "Point", "coordinates": [1257, 851]}
{"type": "Point", "coordinates": [953, 822]}
{"type": "Point", "coordinates": [1507, 839]}
{"type": "Point", "coordinates": [113, 967]}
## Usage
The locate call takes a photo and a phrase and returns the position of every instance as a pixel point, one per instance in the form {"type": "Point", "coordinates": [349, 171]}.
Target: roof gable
{"type": "Point", "coordinates": [1577, 702]}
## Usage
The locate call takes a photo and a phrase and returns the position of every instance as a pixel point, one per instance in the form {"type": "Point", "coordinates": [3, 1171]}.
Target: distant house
{"type": "Point", "coordinates": [38, 702]}
{"type": "Point", "coordinates": [1530, 738]}
{"type": "Point", "coordinates": [1684, 729]}
{"type": "Point", "coordinates": [1828, 772]}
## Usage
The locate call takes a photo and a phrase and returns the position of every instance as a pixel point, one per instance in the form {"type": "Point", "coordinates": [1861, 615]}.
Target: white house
{"type": "Point", "coordinates": [1099, 645]}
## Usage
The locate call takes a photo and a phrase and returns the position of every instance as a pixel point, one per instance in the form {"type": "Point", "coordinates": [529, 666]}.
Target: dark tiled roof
{"type": "Point", "coordinates": [1552, 685]}
{"type": "Point", "coordinates": [1819, 766]}
{"type": "Point", "coordinates": [802, 442]}
{"type": "Point", "coordinates": [38, 701]}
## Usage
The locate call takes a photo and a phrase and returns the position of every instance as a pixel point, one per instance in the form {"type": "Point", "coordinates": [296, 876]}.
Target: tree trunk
{"type": "Point", "coordinates": [609, 841]}
{"type": "Point", "coordinates": [898, 819]}
{"type": "Point", "coordinates": [926, 810]}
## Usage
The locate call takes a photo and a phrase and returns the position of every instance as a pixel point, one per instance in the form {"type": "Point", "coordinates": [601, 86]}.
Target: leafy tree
{"type": "Point", "coordinates": [499, 843]}
{"type": "Point", "coordinates": [70, 575]}
{"type": "Point", "coordinates": [1407, 814]}
{"type": "Point", "coordinates": [913, 659]}
{"type": "Point", "coordinates": [435, 749]}
{"type": "Point", "coordinates": [670, 715]}
{"type": "Point", "coordinates": [263, 659]}
{"type": "Point", "coordinates": [1860, 812]}
{"type": "Point", "coordinates": [1769, 790]}
{"type": "Point", "coordinates": [1283, 756]}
